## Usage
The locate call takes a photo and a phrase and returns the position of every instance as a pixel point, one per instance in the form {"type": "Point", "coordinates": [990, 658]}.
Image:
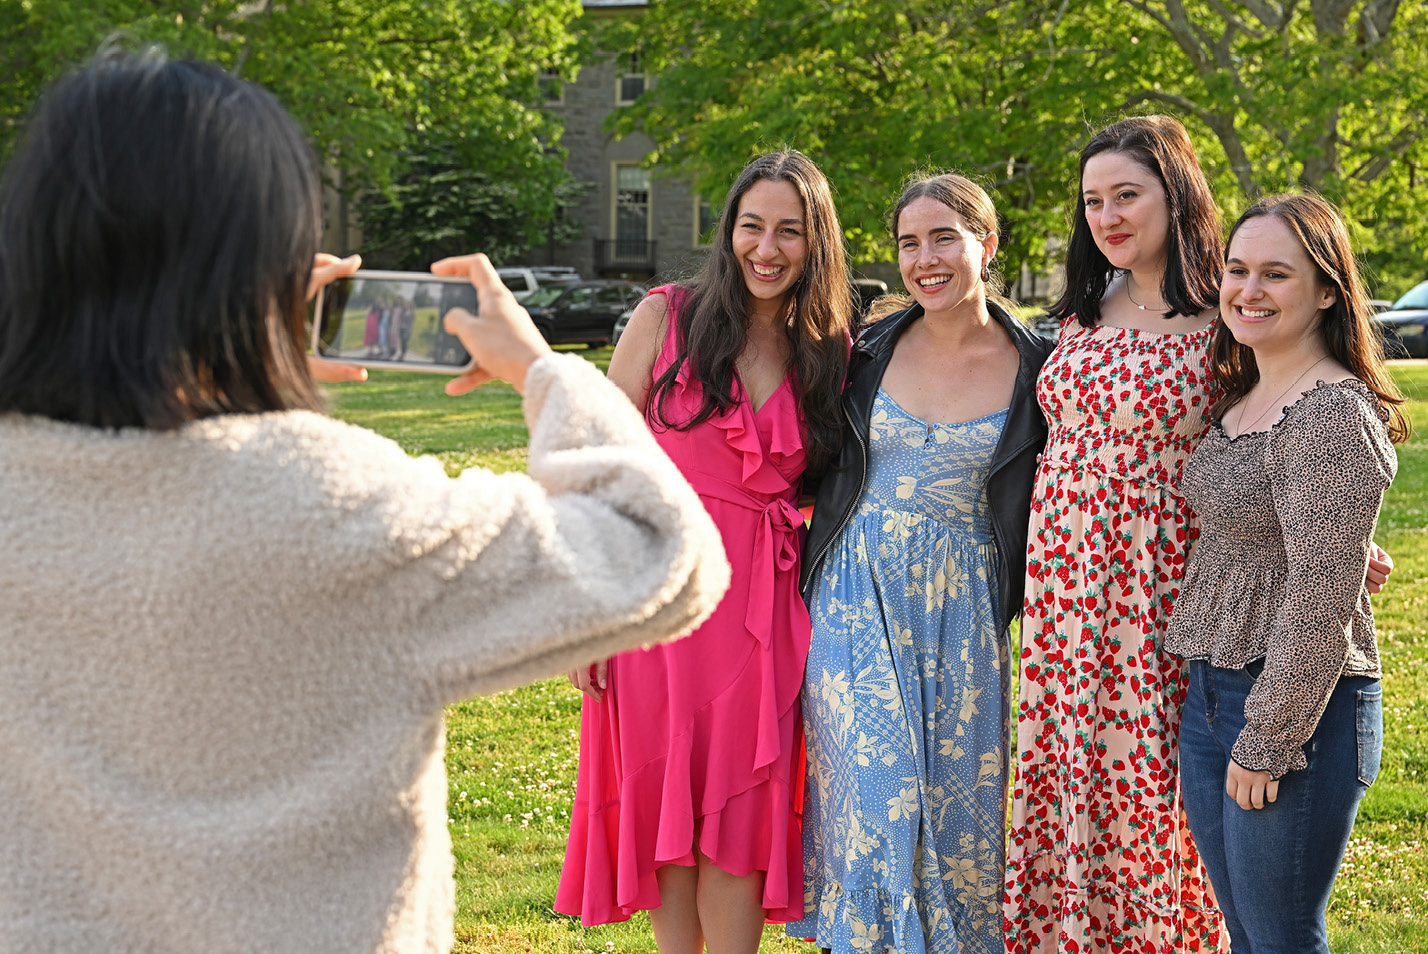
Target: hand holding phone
{"type": "Point", "coordinates": [499, 334]}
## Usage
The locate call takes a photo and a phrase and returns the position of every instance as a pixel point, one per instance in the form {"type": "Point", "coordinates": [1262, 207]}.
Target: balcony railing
{"type": "Point", "coordinates": [624, 255]}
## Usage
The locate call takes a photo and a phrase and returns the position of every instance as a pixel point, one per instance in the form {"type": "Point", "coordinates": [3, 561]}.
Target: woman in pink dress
{"type": "Point", "coordinates": [687, 802]}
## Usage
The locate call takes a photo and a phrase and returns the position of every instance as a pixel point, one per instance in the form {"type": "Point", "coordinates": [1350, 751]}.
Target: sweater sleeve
{"type": "Point", "coordinates": [601, 547]}
{"type": "Point", "coordinates": [1328, 468]}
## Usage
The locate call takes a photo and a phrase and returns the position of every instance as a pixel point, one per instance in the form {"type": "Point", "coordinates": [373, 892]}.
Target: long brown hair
{"type": "Point", "coordinates": [1192, 254]}
{"type": "Point", "coordinates": [714, 315]}
{"type": "Point", "coordinates": [1344, 326]}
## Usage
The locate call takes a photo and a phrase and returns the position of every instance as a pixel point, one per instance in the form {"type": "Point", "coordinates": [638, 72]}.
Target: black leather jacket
{"type": "Point", "coordinates": [1013, 464]}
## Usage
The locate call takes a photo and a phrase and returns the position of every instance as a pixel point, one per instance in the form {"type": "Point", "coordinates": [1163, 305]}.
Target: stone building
{"type": "Point", "coordinates": [637, 222]}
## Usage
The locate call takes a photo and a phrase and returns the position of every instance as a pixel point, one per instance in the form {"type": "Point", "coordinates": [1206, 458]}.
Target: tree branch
{"type": "Point", "coordinates": [1221, 124]}
{"type": "Point", "coordinates": [247, 50]}
{"type": "Point", "coordinates": [1374, 167]}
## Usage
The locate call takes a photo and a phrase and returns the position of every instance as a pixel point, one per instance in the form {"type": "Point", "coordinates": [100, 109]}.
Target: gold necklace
{"type": "Point", "coordinates": [1244, 428]}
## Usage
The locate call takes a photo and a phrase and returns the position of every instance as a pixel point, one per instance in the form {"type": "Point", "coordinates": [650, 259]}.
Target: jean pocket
{"type": "Point", "coordinates": [1368, 723]}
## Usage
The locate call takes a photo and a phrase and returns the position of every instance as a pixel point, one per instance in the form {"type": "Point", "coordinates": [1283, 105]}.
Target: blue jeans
{"type": "Point", "coordinates": [1272, 868]}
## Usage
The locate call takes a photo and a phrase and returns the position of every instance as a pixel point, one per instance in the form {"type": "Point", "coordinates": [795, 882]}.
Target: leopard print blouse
{"type": "Point", "coordinates": [1286, 520]}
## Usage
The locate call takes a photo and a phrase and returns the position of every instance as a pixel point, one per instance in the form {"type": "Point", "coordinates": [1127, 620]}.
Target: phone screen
{"type": "Point", "coordinates": [392, 320]}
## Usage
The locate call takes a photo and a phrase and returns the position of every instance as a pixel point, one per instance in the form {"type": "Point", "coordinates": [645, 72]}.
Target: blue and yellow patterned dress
{"type": "Point", "coordinates": [905, 703]}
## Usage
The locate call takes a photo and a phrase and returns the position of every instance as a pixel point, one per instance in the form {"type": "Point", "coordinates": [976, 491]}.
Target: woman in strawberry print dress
{"type": "Point", "coordinates": [1100, 857]}
{"type": "Point", "coordinates": [687, 801]}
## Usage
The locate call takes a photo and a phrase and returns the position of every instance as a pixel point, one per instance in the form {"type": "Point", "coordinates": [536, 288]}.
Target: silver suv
{"type": "Point", "coordinates": [524, 280]}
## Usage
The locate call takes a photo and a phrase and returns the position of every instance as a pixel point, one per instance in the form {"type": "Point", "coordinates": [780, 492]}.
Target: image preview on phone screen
{"type": "Point", "coordinates": [392, 320]}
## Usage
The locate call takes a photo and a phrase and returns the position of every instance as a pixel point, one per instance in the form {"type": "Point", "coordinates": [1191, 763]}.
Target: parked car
{"type": "Point", "coordinates": [1404, 326]}
{"type": "Point", "coordinates": [525, 280]}
{"type": "Point", "coordinates": [620, 324]}
{"type": "Point", "coordinates": [583, 313]}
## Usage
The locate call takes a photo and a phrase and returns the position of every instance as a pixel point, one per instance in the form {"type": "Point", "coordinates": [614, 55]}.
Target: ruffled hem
{"type": "Point", "coordinates": [1226, 609]}
{"type": "Point", "coordinates": [1100, 915]}
{"type": "Point", "coordinates": [747, 821]}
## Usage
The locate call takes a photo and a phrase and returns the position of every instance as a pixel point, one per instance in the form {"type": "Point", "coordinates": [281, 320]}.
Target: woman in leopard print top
{"type": "Point", "coordinates": [1282, 729]}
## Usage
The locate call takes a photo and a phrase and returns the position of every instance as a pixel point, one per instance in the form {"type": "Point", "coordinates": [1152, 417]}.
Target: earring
{"type": "Point", "coordinates": [986, 273]}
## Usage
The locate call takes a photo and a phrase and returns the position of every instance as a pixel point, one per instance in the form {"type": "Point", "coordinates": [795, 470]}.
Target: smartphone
{"type": "Point", "coordinates": [392, 320]}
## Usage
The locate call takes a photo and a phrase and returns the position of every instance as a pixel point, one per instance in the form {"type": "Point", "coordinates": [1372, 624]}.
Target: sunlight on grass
{"type": "Point", "coordinates": [511, 758]}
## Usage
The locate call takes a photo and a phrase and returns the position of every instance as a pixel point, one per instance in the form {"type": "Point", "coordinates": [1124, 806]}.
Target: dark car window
{"type": "Point", "coordinates": [578, 298]}
{"type": "Point", "coordinates": [1417, 297]}
{"type": "Point", "coordinates": [544, 295]}
{"type": "Point", "coordinates": [611, 296]}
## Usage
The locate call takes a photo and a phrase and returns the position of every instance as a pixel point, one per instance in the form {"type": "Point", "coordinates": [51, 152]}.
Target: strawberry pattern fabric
{"type": "Point", "coordinates": [1100, 857]}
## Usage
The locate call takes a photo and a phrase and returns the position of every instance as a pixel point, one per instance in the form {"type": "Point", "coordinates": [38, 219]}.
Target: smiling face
{"type": "Point", "coordinates": [1271, 295]}
{"type": "Point", "coordinates": [770, 240]}
{"type": "Point", "coordinates": [940, 257]}
{"type": "Point", "coordinates": [1126, 210]}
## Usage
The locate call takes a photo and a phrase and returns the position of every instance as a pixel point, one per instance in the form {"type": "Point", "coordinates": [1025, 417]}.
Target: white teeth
{"type": "Point", "coordinates": [767, 271]}
{"type": "Point", "coordinates": [1256, 312]}
{"type": "Point", "coordinates": [933, 281]}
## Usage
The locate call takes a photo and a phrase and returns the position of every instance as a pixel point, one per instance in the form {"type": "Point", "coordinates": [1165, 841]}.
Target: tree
{"type": "Point", "coordinates": [443, 204]}
{"type": "Point", "coordinates": [1328, 94]}
{"type": "Point", "coordinates": [372, 81]}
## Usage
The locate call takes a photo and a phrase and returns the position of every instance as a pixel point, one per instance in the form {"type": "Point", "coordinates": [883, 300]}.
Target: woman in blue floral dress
{"type": "Point", "coordinates": [913, 571]}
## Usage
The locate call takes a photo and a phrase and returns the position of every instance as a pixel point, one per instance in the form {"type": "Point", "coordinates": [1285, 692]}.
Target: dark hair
{"type": "Point", "coordinates": [967, 199]}
{"type": "Point", "coordinates": [1190, 284]}
{"type": "Point", "coordinates": [158, 225]}
{"type": "Point", "coordinates": [714, 316]}
{"type": "Point", "coordinates": [1344, 327]}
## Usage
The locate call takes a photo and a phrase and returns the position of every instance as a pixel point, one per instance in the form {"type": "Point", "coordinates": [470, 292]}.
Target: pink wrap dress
{"type": "Point", "coordinates": [698, 744]}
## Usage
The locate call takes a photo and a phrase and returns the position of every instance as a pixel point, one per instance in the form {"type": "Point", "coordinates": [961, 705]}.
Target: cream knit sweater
{"type": "Point", "coordinates": [224, 653]}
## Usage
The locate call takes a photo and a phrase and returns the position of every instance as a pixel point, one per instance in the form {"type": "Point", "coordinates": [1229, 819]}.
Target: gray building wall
{"type": "Point", "coordinates": [593, 155]}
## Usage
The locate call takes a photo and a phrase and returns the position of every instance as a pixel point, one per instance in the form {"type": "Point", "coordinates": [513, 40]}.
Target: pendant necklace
{"type": "Point", "coordinates": [1136, 303]}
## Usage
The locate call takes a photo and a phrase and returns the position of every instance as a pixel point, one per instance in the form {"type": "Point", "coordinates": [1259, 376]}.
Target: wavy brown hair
{"type": "Point", "coordinates": [714, 315]}
{"type": "Point", "coordinates": [1344, 327]}
{"type": "Point", "coordinates": [1193, 251]}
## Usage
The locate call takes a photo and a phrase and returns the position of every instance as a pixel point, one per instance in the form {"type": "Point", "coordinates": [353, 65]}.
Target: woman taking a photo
{"type": "Point", "coordinates": [1284, 717]}
{"type": "Point", "coordinates": [914, 571]}
{"type": "Point", "coordinates": [686, 800]}
{"type": "Point", "coordinates": [231, 624]}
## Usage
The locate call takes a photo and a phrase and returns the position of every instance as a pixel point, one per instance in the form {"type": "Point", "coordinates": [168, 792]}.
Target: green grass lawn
{"type": "Point", "coordinates": [511, 757]}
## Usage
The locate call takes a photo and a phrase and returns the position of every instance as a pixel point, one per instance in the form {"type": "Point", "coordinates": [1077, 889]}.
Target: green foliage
{"type": "Point", "coordinates": [443, 204]}
{"type": "Point", "coordinates": [872, 90]}
{"type": "Point", "coordinates": [370, 80]}
{"type": "Point", "coordinates": [1323, 94]}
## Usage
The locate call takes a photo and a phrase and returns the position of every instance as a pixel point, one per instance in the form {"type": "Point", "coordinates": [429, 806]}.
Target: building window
{"type": "Point", "coordinates": [706, 222]}
{"type": "Point", "coordinates": [632, 210]}
{"type": "Point", "coordinates": [629, 79]}
{"type": "Point", "coordinates": [552, 87]}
